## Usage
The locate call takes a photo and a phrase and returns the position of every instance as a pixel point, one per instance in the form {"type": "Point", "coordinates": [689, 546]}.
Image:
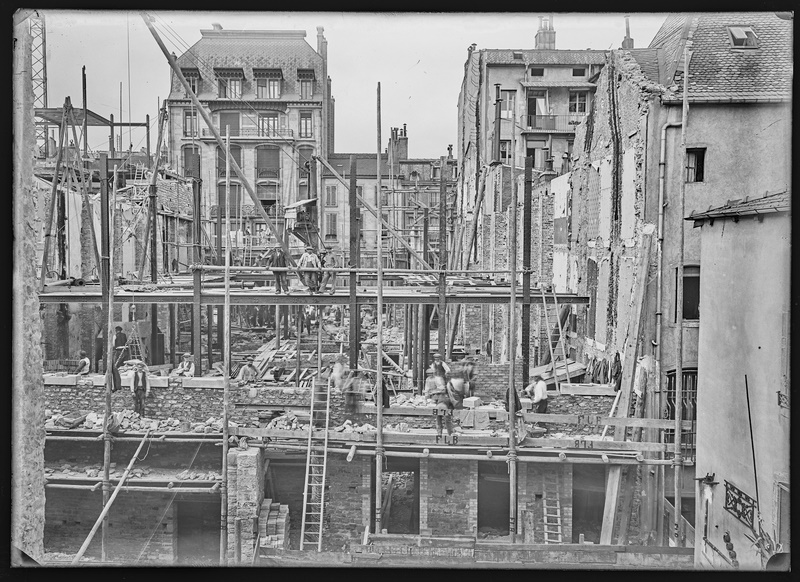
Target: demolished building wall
{"type": "Point", "coordinates": [27, 428]}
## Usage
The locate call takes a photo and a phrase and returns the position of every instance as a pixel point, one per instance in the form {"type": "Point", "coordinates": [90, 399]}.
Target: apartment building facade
{"type": "Point", "coordinates": [271, 89]}
{"type": "Point", "coordinates": [630, 174]}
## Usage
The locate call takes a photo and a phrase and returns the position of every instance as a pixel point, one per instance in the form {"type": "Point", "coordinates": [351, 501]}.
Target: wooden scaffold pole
{"type": "Point", "coordinates": [108, 269]}
{"type": "Point", "coordinates": [379, 343]}
{"type": "Point", "coordinates": [223, 538]}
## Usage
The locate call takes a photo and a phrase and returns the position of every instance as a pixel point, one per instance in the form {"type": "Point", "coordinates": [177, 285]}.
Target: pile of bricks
{"type": "Point", "coordinates": [273, 525]}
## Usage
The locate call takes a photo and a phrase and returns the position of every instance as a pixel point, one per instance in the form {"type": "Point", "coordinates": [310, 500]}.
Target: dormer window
{"type": "Point", "coordinates": [516, 56]}
{"type": "Point", "coordinates": [743, 37]}
{"type": "Point", "coordinates": [306, 78]}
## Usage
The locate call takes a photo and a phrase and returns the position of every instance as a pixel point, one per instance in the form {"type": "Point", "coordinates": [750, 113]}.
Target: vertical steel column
{"type": "Point", "coordinates": [354, 248]}
{"type": "Point", "coordinates": [512, 343]}
{"type": "Point", "coordinates": [442, 327]}
{"type": "Point", "coordinates": [197, 229]}
{"type": "Point", "coordinates": [526, 271]}
{"type": "Point", "coordinates": [85, 121]}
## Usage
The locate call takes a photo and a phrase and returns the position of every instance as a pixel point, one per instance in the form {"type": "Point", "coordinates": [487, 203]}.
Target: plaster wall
{"type": "Point", "coordinates": [750, 260]}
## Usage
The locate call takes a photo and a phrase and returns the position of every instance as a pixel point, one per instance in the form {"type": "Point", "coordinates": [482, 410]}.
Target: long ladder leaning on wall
{"type": "Point", "coordinates": [316, 467]}
{"type": "Point", "coordinates": [560, 348]}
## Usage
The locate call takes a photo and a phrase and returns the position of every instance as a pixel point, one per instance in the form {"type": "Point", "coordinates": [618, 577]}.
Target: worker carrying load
{"type": "Point", "coordinates": [438, 393]}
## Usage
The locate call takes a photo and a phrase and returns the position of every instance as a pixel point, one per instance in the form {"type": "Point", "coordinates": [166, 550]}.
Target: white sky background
{"type": "Point", "coordinates": [418, 59]}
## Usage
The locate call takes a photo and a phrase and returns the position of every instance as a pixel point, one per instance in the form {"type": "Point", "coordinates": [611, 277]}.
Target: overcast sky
{"type": "Point", "coordinates": [417, 58]}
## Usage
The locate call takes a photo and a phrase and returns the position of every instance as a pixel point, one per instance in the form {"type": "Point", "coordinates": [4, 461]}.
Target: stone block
{"type": "Point", "coordinates": [527, 403]}
{"type": "Point", "coordinates": [481, 419]}
{"type": "Point", "coordinates": [472, 402]}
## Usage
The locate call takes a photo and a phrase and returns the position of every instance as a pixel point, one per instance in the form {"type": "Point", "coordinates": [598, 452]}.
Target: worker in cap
{"type": "Point", "coordinates": [330, 260]}
{"type": "Point", "coordinates": [439, 367]}
{"type": "Point", "coordinates": [275, 257]}
{"type": "Point", "coordinates": [186, 367]}
{"type": "Point", "coordinates": [310, 260]}
{"type": "Point", "coordinates": [140, 387]}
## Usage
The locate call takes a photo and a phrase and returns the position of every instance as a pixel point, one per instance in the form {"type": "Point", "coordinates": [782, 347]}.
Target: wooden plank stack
{"type": "Point", "coordinates": [273, 525]}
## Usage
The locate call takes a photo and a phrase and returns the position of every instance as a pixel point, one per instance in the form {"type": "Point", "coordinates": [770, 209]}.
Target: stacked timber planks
{"type": "Point", "coordinates": [273, 525]}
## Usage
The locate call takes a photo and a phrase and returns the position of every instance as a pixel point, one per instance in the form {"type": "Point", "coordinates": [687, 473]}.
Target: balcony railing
{"type": "Point", "coordinates": [565, 123]}
{"type": "Point", "coordinates": [255, 132]}
{"type": "Point", "coordinates": [268, 173]}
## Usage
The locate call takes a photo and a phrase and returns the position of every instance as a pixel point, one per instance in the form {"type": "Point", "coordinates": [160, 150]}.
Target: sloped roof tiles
{"type": "Point", "coordinates": [720, 72]}
{"type": "Point", "coordinates": [767, 204]}
{"type": "Point", "coordinates": [544, 57]}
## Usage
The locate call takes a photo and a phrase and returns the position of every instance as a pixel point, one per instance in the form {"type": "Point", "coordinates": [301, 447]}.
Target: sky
{"type": "Point", "coordinates": [418, 58]}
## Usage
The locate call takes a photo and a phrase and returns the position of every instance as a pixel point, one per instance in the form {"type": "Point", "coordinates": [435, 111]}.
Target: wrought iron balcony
{"type": "Point", "coordinates": [256, 133]}
{"type": "Point", "coordinates": [551, 123]}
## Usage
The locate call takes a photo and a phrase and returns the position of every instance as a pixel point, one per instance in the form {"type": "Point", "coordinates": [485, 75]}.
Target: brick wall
{"type": "Point", "coordinates": [533, 480]}
{"type": "Point", "coordinates": [245, 494]}
{"type": "Point", "coordinates": [447, 489]}
{"type": "Point", "coordinates": [133, 518]}
{"type": "Point", "coordinates": [349, 495]}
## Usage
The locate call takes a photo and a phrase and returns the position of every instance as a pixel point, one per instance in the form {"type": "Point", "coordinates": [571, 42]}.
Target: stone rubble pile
{"type": "Point", "coordinates": [286, 421]}
{"type": "Point", "coordinates": [348, 427]}
{"type": "Point", "coordinates": [64, 469]}
{"type": "Point", "coordinates": [130, 420]}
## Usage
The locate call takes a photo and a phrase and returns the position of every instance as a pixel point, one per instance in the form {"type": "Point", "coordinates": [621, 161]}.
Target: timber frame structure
{"type": "Point", "coordinates": [448, 288]}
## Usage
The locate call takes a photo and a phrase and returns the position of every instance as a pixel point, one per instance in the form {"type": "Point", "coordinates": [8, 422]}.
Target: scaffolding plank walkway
{"type": "Point", "coordinates": [366, 296]}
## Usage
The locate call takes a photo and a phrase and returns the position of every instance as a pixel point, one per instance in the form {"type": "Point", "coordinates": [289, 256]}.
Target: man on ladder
{"type": "Point", "coordinates": [120, 346]}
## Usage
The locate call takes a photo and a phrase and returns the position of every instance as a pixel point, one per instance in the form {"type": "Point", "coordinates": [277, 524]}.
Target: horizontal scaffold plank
{"type": "Point", "coordinates": [421, 437]}
{"type": "Point", "coordinates": [366, 296]}
{"type": "Point", "coordinates": [587, 389]}
{"type": "Point", "coordinates": [604, 445]}
{"type": "Point", "coordinates": [598, 420]}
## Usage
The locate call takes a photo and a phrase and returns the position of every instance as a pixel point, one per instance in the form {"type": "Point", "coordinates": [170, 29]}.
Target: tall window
{"type": "Point", "coordinates": [229, 88]}
{"type": "Point", "coordinates": [236, 154]}
{"type": "Point", "coordinates": [435, 172]}
{"type": "Point", "coordinates": [229, 119]}
{"type": "Point", "coordinates": [508, 105]}
{"type": "Point", "coordinates": [267, 191]}
{"type": "Point", "coordinates": [189, 123]}
{"type": "Point", "coordinates": [330, 196]}
{"type": "Point", "coordinates": [194, 83]}
{"type": "Point", "coordinates": [688, 409]}
{"type": "Point", "coordinates": [691, 293]}
{"type": "Point", "coordinates": [306, 88]}
{"type": "Point", "coordinates": [268, 162]}
{"type": "Point", "coordinates": [505, 150]}
{"type": "Point", "coordinates": [331, 226]}
{"type": "Point", "coordinates": [695, 164]}
{"type": "Point", "coordinates": [268, 88]}
{"type": "Point", "coordinates": [236, 196]}
{"type": "Point", "coordinates": [305, 124]}
{"type": "Point", "coordinates": [191, 162]}
{"type": "Point", "coordinates": [268, 124]}
{"type": "Point", "coordinates": [577, 102]}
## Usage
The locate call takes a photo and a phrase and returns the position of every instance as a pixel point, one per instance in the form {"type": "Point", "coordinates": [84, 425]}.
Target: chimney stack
{"type": "Point", "coordinates": [627, 42]}
{"type": "Point", "coordinates": [402, 144]}
{"type": "Point", "coordinates": [450, 152]}
{"type": "Point", "coordinates": [216, 26]}
{"type": "Point", "coordinates": [546, 35]}
{"type": "Point", "coordinates": [322, 43]}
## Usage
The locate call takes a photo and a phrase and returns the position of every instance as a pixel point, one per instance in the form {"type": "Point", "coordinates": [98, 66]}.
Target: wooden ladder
{"type": "Point", "coordinates": [559, 350]}
{"type": "Point", "coordinates": [316, 468]}
{"type": "Point", "coordinates": [551, 507]}
{"type": "Point", "coordinates": [139, 174]}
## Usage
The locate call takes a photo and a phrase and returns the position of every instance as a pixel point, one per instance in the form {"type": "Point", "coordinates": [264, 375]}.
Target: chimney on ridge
{"type": "Point", "coordinates": [546, 35]}
{"type": "Point", "coordinates": [627, 42]}
{"type": "Point", "coordinates": [216, 26]}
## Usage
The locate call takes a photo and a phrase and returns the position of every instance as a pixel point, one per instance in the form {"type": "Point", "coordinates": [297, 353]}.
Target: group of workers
{"type": "Point", "coordinates": [316, 279]}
